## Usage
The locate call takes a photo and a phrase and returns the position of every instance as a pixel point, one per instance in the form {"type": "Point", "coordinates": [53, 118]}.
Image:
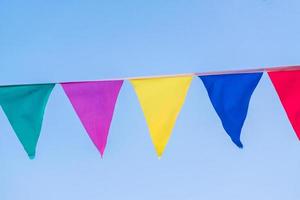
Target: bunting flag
{"type": "Point", "coordinates": [230, 95]}
{"type": "Point", "coordinates": [24, 106]}
{"type": "Point", "coordinates": [161, 100]}
{"type": "Point", "coordinates": [287, 85]}
{"type": "Point", "coordinates": [94, 103]}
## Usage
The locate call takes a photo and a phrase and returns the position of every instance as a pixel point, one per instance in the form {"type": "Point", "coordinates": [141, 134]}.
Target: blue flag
{"type": "Point", "coordinates": [230, 95]}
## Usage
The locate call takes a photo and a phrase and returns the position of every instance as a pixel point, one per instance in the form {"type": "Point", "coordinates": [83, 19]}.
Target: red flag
{"type": "Point", "coordinates": [287, 85]}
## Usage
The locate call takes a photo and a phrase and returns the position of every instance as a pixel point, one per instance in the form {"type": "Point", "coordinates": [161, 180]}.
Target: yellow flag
{"type": "Point", "coordinates": [161, 100]}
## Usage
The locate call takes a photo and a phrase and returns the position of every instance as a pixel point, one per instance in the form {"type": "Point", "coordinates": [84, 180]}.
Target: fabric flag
{"type": "Point", "coordinates": [230, 95]}
{"type": "Point", "coordinates": [94, 103]}
{"type": "Point", "coordinates": [24, 106]}
{"type": "Point", "coordinates": [161, 100]}
{"type": "Point", "coordinates": [287, 85]}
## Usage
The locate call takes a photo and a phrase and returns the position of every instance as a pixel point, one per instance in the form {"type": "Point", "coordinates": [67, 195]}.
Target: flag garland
{"type": "Point", "coordinates": [230, 95]}
{"type": "Point", "coordinates": [287, 85]}
{"type": "Point", "coordinates": [94, 103]}
{"type": "Point", "coordinates": [161, 99]}
{"type": "Point", "coordinates": [24, 106]}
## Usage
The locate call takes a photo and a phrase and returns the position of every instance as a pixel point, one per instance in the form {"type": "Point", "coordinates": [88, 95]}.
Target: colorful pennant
{"type": "Point", "coordinates": [230, 95]}
{"type": "Point", "coordinates": [24, 106]}
{"type": "Point", "coordinates": [287, 85]}
{"type": "Point", "coordinates": [161, 100]}
{"type": "Point", "coordinates": [94, 103]}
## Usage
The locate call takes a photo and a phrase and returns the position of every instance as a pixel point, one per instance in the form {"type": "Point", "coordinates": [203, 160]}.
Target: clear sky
{"type": "Point", "coordinates": [52, 41]}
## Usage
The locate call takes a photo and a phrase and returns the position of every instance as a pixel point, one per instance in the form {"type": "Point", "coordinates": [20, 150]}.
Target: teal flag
{"type": "Point", "coordinates": [24, 106]}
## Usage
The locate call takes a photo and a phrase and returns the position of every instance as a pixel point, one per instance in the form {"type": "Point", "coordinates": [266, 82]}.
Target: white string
{"type": "Point", "coordinates": [242, 71]}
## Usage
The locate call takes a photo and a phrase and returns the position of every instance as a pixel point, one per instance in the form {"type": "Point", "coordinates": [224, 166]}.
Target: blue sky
{"type": "Point", "coordinates": [54, 41]}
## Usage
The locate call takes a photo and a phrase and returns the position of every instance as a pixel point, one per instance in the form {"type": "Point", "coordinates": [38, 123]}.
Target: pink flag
{"type": "Point", "coordinates": [287, 85]}
{"type": "Point", "coordinates": [94, 103]}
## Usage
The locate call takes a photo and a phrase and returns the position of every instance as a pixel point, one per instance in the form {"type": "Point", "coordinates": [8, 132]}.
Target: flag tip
{"type": "Point", "coordinates": [238, 143]}
{"type": "Point", "coordinates": [159, 155]}
{"type": "Point", "coordinates": [31, 157]}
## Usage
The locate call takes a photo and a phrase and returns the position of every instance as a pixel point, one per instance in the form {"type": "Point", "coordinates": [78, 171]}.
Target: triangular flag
{"type": "Point", "coordinates": [161, 100]}
{"type": "Point", "coordinates": [287, 85]}
{"type": "Point", "coordinates": [230, 95]}
{"type": "Point", "coordinates": [94, 103]}
{"type": "Point", "coordinates": [24, 106]}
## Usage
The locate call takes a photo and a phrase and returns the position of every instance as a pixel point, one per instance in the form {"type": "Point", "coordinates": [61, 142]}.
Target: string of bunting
{"type": "Point", "coordinates": [161, 99]}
